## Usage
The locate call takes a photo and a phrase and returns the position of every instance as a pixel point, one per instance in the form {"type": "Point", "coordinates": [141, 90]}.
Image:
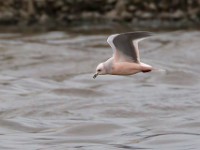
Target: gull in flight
{"type": "Point", "coordinates": [125, 59]}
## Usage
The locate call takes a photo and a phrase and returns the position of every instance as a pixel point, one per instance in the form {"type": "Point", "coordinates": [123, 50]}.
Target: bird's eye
{"type": "Point", "coordinates": [99, 70]}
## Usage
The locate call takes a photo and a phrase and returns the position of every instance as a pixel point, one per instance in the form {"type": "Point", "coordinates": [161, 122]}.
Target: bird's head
{"type": "Point", "coordinates": [100, 70]}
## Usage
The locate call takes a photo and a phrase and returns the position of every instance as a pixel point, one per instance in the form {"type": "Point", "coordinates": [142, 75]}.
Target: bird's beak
{"type": "Point", "coordinates": [95, 75]}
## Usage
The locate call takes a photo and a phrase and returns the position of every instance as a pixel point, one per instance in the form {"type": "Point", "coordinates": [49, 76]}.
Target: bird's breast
{"type": "Point", "coordinates": [126, 68]}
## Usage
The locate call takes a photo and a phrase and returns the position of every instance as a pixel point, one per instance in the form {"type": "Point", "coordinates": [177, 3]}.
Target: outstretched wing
{"type": "Point", "coordinates": [125, 45]}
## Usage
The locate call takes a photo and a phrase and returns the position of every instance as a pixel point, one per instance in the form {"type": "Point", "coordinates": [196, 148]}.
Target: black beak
{"type": "Point", "coordinates": [95, 75]}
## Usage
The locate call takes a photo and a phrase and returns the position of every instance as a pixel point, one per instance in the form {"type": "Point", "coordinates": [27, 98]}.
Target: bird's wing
{"type": "Point", "coordinates": [125, 45]}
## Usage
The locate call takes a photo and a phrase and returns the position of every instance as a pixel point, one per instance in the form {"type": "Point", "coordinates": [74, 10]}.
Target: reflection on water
{"type": "Point", "coordinates": [49, 99]}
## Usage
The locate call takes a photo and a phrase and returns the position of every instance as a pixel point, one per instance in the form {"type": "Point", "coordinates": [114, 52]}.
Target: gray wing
{"type": "Point", "coordinates": [126, 45]}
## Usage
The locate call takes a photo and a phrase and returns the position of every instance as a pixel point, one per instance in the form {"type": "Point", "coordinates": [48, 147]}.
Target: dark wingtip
{"type": "Point", "coordinates": [142, 33]}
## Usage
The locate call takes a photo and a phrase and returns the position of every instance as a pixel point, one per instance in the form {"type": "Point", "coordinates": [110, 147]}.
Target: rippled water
{"type": "Point", "coordinates": [49, 99]}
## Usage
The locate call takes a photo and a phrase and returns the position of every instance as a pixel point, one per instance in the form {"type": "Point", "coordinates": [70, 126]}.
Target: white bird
{"type": "Point", "coordinates": [125, 59]}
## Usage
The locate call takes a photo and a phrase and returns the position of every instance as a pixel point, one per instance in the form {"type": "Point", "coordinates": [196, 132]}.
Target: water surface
{"type": "Point", "coordinates": [49, 99]}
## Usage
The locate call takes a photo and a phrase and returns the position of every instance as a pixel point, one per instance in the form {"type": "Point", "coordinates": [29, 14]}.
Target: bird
{"type": "Point", "coordinates": [126, 58]}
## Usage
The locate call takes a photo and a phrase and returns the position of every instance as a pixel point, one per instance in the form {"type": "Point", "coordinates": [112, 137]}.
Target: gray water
{"type": "Point", "coordinates": [49, 100]}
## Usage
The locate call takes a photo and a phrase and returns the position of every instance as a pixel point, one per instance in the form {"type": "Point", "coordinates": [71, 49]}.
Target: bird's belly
{"type": "Point", "coordinates": [126, 68]}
